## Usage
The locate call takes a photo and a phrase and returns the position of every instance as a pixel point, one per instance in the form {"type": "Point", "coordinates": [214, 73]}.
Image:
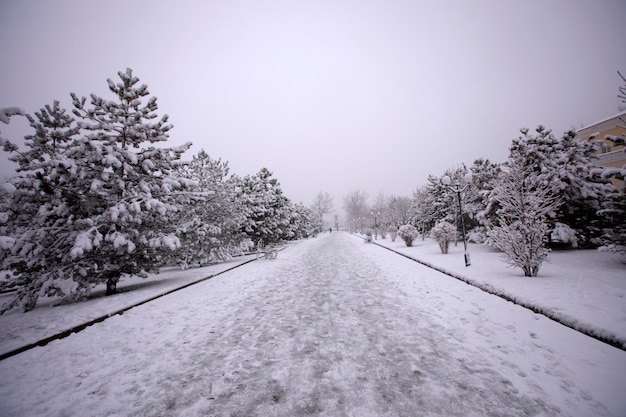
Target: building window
{"type": "Point", "coordinates": [602, 147]}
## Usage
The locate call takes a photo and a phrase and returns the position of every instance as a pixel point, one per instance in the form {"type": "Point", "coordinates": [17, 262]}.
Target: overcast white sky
{"type": "Point", "coordinates": [330, 96]}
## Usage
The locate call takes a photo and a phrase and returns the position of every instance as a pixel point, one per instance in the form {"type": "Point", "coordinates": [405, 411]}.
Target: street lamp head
{"type": "Point", "coordinates": [445, 180]}
{"type": "Point", "coordinates": [468, 178]}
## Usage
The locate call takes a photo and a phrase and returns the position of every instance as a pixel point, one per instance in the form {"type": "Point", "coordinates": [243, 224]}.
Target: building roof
{"type": "Point", "coordinates": [615, 116]}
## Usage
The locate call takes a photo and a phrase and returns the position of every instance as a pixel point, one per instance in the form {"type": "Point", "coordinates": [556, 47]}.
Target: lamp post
{"type": "Point", "coordinates": [375, 214]}
{"type": "Point", "coordinates": [458, 189]}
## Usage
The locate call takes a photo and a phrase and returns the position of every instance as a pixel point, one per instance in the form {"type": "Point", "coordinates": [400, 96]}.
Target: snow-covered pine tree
{"type": "Point", "coordinates": [571, 165]}
{"type": "Point", "coordinates": [303, 222]}
{"type": "Point", "coordinates": [92, 206]}
{"type": "Point", "coordinates": [209, 224]}
{"type": "Point", "coordinates": [614, 212]}
{"type": "Point", "coordinates": [525, 198]}
{"type": "Point", "coordinates": [444, 205]}
{"type": "Point", "coordinates": [423, 211]}
{"type": "Point", "coordinates": [442, 201]}
{"type": "Point", "coordinates": [484, 178]}
{"type": "Point", "coordinates": [266, 209]}
{"type": "Point", "coordinates": [38, 219]}
{"type": "Point", "coordinates": [136, 179]}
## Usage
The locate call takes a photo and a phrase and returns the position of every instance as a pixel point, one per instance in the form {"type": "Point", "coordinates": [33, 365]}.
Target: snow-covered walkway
{"type": "Point", "coordinates": [333, 327]}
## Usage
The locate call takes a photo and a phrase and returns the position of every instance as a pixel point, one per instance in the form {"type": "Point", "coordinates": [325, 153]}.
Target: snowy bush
{"type": "Point", "coordinates": [620, 250]}
{"type": "Point", "coordinates": [565, 234]}
{"type": "Point", "coordinates": [408, 233]}
{"type": "Point", "coordinates": [523, 243]}
{"type": "Point", "coordinates": [393, 232]}
{"type": "Point", "coordinates": [477, 235]}
{"type": "Point", "coordinates": [443, 233]}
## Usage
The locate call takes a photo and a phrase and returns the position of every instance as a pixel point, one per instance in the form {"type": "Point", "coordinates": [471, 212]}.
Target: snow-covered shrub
{"type": "Point", "coordinates": [477, 235]}
{"type": "Point", "coordinates": [565, 234]}
{"type": "Point", "coordinates": [393, 232]}
{"type": "Point", "coordinates": [368, 234]}
{"type": "Point", "coordinates": [523, 243]}
{"type": "Point", "coordinates": [381, 231]}
{"type": "Point", "coordinates": [620, 250]}
{"type": "Point", "coordinates": [443, 233]}
{"type": "Point", "coordinates": [408, 233]}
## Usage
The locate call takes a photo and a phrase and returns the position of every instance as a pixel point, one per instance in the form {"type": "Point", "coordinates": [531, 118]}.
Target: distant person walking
{"type": "Point", "coordinates": [330, 230]}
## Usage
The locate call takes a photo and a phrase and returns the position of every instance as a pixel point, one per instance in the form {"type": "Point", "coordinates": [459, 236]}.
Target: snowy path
{"type": "Point", "coordinates": [333, 327]}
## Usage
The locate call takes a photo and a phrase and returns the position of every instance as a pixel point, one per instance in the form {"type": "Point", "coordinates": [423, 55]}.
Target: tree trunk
{"type": "Point", "coordinates": [443, 245]}
{"type": "Point", "coordinates": [112, 285]}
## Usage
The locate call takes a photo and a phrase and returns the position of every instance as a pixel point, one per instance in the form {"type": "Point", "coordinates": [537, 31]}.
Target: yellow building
{"type": "Point", "coordinates": [609, 153]}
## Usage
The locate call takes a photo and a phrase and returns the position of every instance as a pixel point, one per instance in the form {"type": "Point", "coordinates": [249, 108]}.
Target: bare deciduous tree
{"type": "Point", "coordinates": [399, 210]}
{"type": "Point", "coordinates": [355, 205]}
{"type": "Point", "coordinates": [322, 205]}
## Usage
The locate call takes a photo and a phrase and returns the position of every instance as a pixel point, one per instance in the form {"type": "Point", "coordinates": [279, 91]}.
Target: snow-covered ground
{"type": "Point", "coordinates": [18, 329]}
{"type": "Point", "coordinates": [333, 327]}
{"type": "Point", "coordinates": [584, 288]}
